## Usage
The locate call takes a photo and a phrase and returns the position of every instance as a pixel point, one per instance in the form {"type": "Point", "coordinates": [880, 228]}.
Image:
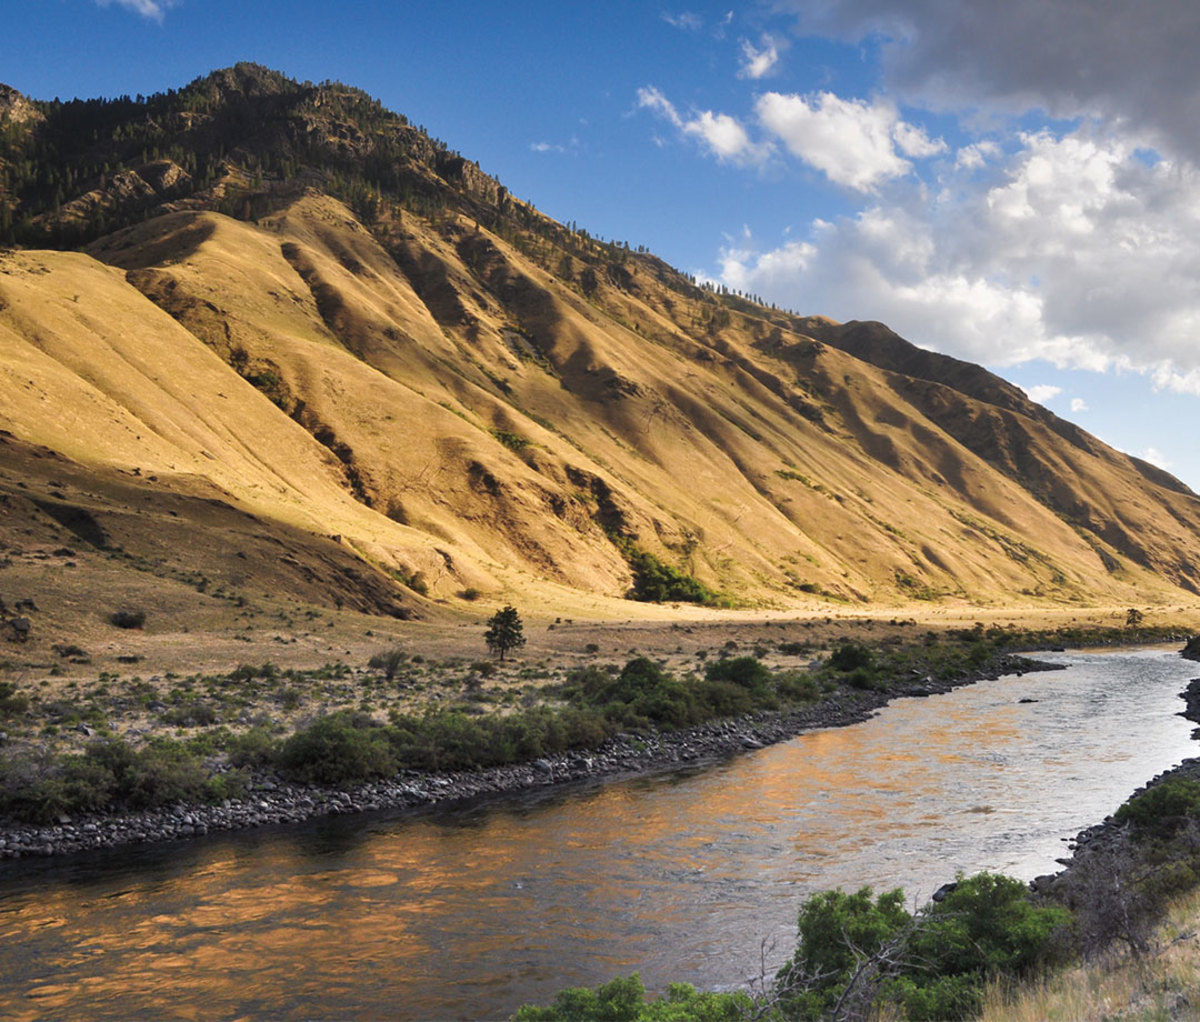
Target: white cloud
{"type": "Point", "coordinates": [915, 143]}
{"type": "Point", "coordinates": [152, 9]}
{"type": "Point", "coordinates": [686, 20]}
{"type": "Point", "coordinates": [554, 147]}
{"type": "Point", "coordinates": [1071, 249]}
{"type": "Point", "coordinates": [976, 155]}
{"type": "Point", "coordinates": [1043, 392]}
{"type": "Point", "coordinates": [758, 63]}
{"type": "Point", "coordinates": [1078, 404]}
{"type": "Point", "coordinates": [650, 98]}
{"type": "Point", "coordinates": [1155, 457]}
{"type": "Point", "coordinates": [723, 136]}
{"type": "Point", "coordinates": [851, 141]}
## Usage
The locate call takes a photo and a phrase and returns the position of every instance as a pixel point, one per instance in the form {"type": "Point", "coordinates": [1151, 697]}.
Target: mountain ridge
{"type": "Point", "coordinates": [348, 330]}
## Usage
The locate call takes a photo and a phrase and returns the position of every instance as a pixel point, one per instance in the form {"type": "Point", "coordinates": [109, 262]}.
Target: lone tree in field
{"type": "Point", "coordinates": [504, 631]}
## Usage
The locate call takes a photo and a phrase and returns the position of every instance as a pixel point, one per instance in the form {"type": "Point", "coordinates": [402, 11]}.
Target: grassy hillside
{"type": "Point", "coordinates": [286, 299]}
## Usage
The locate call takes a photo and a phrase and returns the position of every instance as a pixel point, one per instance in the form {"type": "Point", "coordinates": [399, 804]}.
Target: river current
{"type": "Point", "coordinates": [694, 875]}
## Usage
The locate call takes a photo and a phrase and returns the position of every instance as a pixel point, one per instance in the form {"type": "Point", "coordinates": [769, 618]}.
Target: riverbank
{"type": "Point", "coordinates": [271, 799]}
{"type": "Point", "coordinates": [1102, 846]}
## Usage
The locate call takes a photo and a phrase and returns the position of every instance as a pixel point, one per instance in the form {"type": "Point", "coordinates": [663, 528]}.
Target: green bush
{"type": "Point", "coordinates": [933, 965]}
{"type": "Point", "coordinates": [109, 773]}
{"type": "Point", "coordinates": [851, 656]}
{"type": "Point", "coordinates": [389, 661]}
{"type": "Point", "coordinates": [623, 1000]}
{"type": "Point", "coordinates": [744, 670]}
{"type": "Point", "coordinates": [655, 582]}
{"type": "Point", "coordinates": [986, 927]}
{"type": "Point", "coordinates": [255, 748]}
{"type": "Point", "coordinates": [797, 687]}
{"type": "Point", "coordinates": [341, 748]}
{"type": "Point", "coordinates": [12, 700]}
{"type": "Point", "coordinates": [1162, 809]}
{"type": "Point", "coordinates": [835, 931]}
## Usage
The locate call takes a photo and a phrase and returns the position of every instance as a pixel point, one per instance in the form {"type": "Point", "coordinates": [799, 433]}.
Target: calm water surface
{"type": "Point", "coordinates": [693, 876]}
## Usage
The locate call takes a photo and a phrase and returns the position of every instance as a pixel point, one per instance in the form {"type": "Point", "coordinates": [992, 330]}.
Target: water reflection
{"type": "Point", "coordinates": [467, 914]}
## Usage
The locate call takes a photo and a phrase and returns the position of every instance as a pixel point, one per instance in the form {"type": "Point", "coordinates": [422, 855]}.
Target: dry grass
{"type": "Point", "coordinates": [784, 473]}
{"type": "Point", "coordinates": [1163, 986]}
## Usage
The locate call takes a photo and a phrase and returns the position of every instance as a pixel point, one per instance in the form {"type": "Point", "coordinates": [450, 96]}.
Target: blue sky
{"type": "Point", "coordinates": [1013, 182]}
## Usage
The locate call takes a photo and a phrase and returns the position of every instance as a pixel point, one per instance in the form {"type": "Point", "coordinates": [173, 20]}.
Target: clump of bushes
{"type": "Point", "coordinates": [1162, 809]}
{"type": "Point", "coordinates": [862, 950]}
{"type": "Point", "coordinates": [625, 999]}
{"type": "Point", "coordinates": [389, 661]}
{"type": "Point", "coordinates": [108, 774]}
{"type": "Point", "coordinates": [862, 956]}
{"type": "Point", "coordinates": [125, 618]}
{"type": "Point", "coordinates": [12, 700]}
{"type": "Point", "coordinates": [655, 582]}
{"type": "Point", "coordinates": [342, 747]}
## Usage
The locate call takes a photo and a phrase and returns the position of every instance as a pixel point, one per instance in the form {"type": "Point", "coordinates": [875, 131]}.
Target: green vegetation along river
{"type": "Point", "coordinates": [693, 876]}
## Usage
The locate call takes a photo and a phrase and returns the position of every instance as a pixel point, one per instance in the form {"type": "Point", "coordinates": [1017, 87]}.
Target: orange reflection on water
{"type": "Point", "coordinates": [676, 876]}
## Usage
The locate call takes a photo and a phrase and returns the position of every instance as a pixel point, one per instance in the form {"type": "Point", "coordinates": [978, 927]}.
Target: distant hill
{"type": "Point", "coordinates": [271, 333]}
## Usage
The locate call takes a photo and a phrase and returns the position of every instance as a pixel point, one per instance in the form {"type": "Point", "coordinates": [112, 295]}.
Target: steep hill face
{"type": "Point", "coordinates": [285, 300]}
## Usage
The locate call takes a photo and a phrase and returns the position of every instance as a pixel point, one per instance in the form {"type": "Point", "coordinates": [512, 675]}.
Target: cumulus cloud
{"type": "Point", "coordinates": [1124, 63]}
{"type": "Point", "coordinates": [976, 155]}
{"type": "Point", "coordinates": [1043, 392]}
{"type": "Point", "coordinates": [721, 135]}
{"type": "Point", "coordinates": [853, 142]}
{"type": "Point", "coordinates": [915, 143]}
{"type": "Point", "coordinates": [1071, 249]}
{"type": "Point", "coordinates": [1078, 404]}
{"type": "Point", "coordinates": [152, 9]}
{"type": "Point", "coordinates": [759, 62]}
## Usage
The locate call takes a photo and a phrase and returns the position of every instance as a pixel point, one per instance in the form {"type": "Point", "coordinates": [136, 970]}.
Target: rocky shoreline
{"type": "Point", "coordinates": [272, 800]}
{"type": "Point", "coordinates": [1104, 837]}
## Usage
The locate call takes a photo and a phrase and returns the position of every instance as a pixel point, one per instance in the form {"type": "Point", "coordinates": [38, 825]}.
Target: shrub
{"type": "Point", "coordinates": [12, 700]}
{"type": "Point", "coordinates": [160, 774]}
{"type": "Point", "coordinates": [338, 749]}
{"type": "Point", "coordinates": [744, 670]}
{"type": "Point", "coordinates": [1162, 809]}
{"type": "Point", "coordinates": [623, 1000]}
{"type": "Point", "coordinates": [856, 950]}
{"type": "Point", "coordinates": [851, 656]}
{"type": "Point", "coordinates": [254, 748]}
{"type": "Point", "coordinates": [986, 927]}
{"type": "Point", "coordinates": [655, 582]}
{"type": "Point", "coordinates": [726, 699]}
{"type": "Point", "coordinates": [128, 618]}
{"type": "Point", "coordinates": [388, 661]}
{"type": "Point", "coordinates": [197, 713]}
{"type": "Point", "coordinates": [835, 931]}
{"type": "Point", "coordinates": [797, 687]}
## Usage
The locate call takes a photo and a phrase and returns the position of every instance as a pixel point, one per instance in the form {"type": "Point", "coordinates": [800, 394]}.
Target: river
{"type": "Point", "coordinates": [694, 875]}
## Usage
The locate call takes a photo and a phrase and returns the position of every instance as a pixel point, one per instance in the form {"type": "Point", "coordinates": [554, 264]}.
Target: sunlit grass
{"type": "Point", "coordinates": [1161, 985]}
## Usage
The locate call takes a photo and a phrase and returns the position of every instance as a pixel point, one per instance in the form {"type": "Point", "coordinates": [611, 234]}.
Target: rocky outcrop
{"type": "Point", "coordinates": [15, 108]}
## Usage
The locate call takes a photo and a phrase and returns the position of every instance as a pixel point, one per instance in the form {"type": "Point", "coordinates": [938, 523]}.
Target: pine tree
{"type": "Point", "coordinates": [504, 632]}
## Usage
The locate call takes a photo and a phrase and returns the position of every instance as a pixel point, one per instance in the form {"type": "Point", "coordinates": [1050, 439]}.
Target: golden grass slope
{"type": "Point", "coordinates": [450, 401]}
